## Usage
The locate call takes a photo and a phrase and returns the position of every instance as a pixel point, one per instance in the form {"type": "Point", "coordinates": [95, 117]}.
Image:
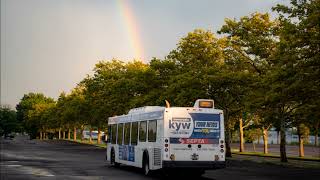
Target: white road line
{"type": "Point", "coordinates": [29, 170]}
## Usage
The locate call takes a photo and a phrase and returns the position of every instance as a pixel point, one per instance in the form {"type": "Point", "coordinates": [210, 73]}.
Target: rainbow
{"type": "Point", "coordinates": [132, 29]}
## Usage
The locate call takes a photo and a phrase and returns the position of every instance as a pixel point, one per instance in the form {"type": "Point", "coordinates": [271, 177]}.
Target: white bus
{"type": "Point", "coordinates": [155, 137]}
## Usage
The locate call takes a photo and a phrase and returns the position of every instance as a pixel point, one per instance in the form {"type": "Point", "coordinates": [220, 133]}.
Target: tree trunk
{"type": "Point", "coordinates": [90, 138]}
{"type": "Point", "coordinates": [82, 129]}
{"type": "Point", "coordinates": [227, 134]}
{"type": "Point", "coordinates": [241, 135]}
{"type": "Point", "coordinates": [265, 141]}
{"type": "Point", "coordinates": [40, 135]}
{"type": "Point", "coordinates": [64, 134]}
{"type": "Point", "coordinates": [301, 148]}
{"type": "Point", "coordinates": [74, 133]}
{"type": "Point", "coordinates": [254, 146]}
{"type": "Point", "coordinates": [99, 136]}
{"type": "Point", "coordinates": [278, 133]}
{"type": "Point", "coordinates": [59, 133]}
{"type": "Point", "coordinates": [283, 154]}
{"type": "Point", "coordinates": [69, 134]}
{"type": "Point", "coordinates": [316, 137]}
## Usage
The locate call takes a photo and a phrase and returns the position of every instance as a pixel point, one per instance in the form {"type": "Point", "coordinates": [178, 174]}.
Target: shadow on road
{"type": "Point", "coordinates": [158, 174]}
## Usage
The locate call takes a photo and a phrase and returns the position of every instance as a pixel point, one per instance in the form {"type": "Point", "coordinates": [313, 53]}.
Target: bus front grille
{"type": "Point", "coordinates": [157, 156]}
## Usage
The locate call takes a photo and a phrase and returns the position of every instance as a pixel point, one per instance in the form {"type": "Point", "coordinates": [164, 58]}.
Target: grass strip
{"type": "Point", "coordinates": [260, 154]}
{"type": "Point", "coordinates": [85, 141]}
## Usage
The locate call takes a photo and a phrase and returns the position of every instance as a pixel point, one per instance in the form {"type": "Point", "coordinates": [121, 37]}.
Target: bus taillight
{"type": "Point", "coordinates": [216, 157]}
{"type": "Point", "coordinates": [172, 157]}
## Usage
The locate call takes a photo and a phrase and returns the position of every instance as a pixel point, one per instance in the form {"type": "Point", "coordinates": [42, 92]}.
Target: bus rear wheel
{"type": "Point", "coordinates": [146, 167]}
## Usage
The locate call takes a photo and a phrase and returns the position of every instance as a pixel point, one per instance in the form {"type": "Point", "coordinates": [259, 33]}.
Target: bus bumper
{"type": "Point", "coordinates": [194, 164]}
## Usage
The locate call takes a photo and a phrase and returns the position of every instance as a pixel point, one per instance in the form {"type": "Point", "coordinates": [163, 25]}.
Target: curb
{"type": "Point", "coordinates": [275, 156]}
{"type": "Point", "coordinates": [84, 143]}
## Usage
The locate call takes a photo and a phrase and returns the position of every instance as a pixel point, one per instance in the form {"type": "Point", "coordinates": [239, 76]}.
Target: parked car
{"type": "Point", "coordinates": [86, 134]}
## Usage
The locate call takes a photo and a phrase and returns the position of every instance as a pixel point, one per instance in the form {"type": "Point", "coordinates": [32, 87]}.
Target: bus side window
{"type": "Point", "coordinates": [126, 133]}
{"type": "Point", "coordinates": [143, 131]}
{"type": "Point", "coordinates": [120, 134]}
{"type": "Point", "coordinates": [113, 133]}
{"type": "Point", "coordinates": [134, 133]}
{"type": "Point", "coordinates": [152, 131]}
{"type": "Point", "coordinates": [109, 134]}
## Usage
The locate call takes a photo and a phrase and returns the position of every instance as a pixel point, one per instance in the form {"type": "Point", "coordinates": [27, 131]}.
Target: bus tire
{"type": "Point", "coordinates": [198, 173]}
{"type": "Point", "coordinates": [145, 165]}
{"type": "Point", "coordinates": [113, 159]}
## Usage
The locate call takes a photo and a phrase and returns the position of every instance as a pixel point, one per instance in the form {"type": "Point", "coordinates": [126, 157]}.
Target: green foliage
{"type": "Point", "coordinates": [8, 121]}
{"type": "Point", "coordinates": [303, 131]}
{"type": "Point", "coordinates": [253, 134]}
{"type": "Point", "coordinates": [32, 112]}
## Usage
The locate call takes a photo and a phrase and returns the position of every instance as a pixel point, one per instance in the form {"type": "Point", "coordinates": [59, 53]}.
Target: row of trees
{"type": "Point", "coordinates": [262, 72]}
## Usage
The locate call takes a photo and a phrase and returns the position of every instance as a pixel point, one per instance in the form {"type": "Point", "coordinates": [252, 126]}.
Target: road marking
{"type": "Point", "coordinates": [30, 170]}
{"type": "Point", "coordinates": [13, 165]}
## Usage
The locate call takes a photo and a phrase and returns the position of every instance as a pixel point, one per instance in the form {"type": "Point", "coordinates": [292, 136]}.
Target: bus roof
{"type": "Point", "coordinates": [139, 114]}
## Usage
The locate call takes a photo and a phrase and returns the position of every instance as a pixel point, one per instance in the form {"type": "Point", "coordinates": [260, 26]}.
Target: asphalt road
{"type": "Point", "coordinates": [33, 159]}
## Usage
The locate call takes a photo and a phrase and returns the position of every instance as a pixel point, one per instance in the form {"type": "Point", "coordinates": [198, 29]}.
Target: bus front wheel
{"type": "Point", "coordinates": [113, 159]}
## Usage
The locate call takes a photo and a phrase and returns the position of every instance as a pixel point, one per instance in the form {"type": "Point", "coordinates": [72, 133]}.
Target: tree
{"type": "Point", "coordinates": [245, 120]}
{"type": "Point", "coordinates": [74, 112]}
{"type": "Point", "coordinates": [115, 88]}
{"type": "Point", "coordinates": [296, 71]}
{"type": "Point", "coordinates": [201, 73]}
{"type": "Point", "coordinates": [8, 121]}
{"type": "Point", "coordinates": [59, 115]}
{"type": "Point", "coordinates": [303, 133]}
{"type": "Point", "coordinates": [28, 112]}
{"type": "Point", "coordinates": [39, 116]}
{"type": "Point", "coordinates": [252, 135]}
{"type": "Point", "coordinates": [249, 48]}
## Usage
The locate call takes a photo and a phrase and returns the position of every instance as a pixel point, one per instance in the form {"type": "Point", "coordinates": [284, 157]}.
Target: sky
{"type": "Point", "coordinates": [48, 46]}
